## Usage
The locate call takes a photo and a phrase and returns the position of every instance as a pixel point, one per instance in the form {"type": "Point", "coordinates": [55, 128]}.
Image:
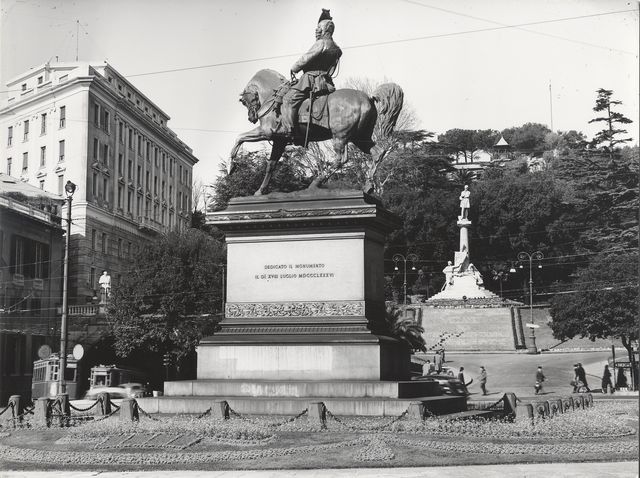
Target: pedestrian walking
{"type": "Point", "coordinates": [582, 376]}
{"type": "Point", "coordinates": [621, 381]}
{"type": "Point", "coordinates": [426, 368]}
{"type": "Point", "coordinates": [539, 379]}
{"type": "Point", "coordinates": [606, 380]}
{"type": "Point", "coordinates": [483, 380]}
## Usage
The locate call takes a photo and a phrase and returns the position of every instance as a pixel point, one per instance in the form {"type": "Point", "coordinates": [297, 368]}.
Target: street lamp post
{"type": "Point", "coordinates": [409, 258]}
{"type": "Point", "coordinates": [523, 256]}
{"type": "Point", "coordinates": [69, 189]}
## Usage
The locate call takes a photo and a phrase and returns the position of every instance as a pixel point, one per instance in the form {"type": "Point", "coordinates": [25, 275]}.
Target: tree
{"type": "Point", "coordinates": [467, 143]}
{"type": "Point", "coordinates": [529, 138]}
{"type": "Point", "coordinates": [611, 119]}
{"type": "Point", "coordinates": [247, 177]}
{"type": "Point", "coordinates": [170, 297]}
{"type": "Point", "coordinates": [603, 303]}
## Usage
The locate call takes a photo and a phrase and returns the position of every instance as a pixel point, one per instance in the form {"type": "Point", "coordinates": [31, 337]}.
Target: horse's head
{"type": "Point", "coordinates": [250, 99]}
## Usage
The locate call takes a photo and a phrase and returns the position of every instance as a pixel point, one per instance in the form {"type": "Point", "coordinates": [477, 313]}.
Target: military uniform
{"type": "Point", "coordinates": [317, 66]}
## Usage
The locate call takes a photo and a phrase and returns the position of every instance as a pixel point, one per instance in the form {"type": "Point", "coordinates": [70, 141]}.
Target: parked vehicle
{"type": "Point", "coordinates": [449, 384]}
{"type": "Point", "coordinates": [116, 395]}
{"type": "Point", "coordinates": [112, 376]}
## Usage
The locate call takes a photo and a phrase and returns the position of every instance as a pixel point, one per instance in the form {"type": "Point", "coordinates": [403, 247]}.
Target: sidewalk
{"type": "Point", "coordinates": [625, 469]}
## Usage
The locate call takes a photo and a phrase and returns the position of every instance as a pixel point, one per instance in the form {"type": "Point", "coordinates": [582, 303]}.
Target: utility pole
{"type": "Point", "coordinates": [551, 105]}
{"type": "Point", "coordinates": [69, 188]}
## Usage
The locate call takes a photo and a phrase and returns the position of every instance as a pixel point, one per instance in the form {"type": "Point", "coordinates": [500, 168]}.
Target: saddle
{"type": "Point", "coordinates": [319, 116]}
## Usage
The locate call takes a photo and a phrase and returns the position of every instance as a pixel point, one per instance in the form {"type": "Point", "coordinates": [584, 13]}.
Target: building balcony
{"type": "Point", "coordinates": [86, 310]}
{"type": "Point", "coordinates": [149, 225]}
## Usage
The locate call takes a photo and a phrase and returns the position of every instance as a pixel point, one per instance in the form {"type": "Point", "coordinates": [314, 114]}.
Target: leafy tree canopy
{"type": "Point", "coordinates": [529, 137]}
{"type": "Point", "coordinates": [611, 119]}
{"type": "Point", "coordinates": [467, 142]}
{"type": "Point", "coordinates": [158, 305]}
{"type": "Point", "coordinates": [249, 172]}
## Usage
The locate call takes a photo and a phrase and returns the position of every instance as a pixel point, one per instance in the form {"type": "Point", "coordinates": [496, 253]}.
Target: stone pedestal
{"type": "Point", "coordinates": [305, 290]}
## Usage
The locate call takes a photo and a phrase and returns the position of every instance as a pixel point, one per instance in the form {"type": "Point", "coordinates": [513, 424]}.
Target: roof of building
{"type": "Point", "coordinates": [502, 142]}
{"type": "Point", "coordinates": [9, 184]}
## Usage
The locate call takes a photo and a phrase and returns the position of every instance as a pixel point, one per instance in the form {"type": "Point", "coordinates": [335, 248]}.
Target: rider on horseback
{"type": "Point", "coordinates": [317, 65]}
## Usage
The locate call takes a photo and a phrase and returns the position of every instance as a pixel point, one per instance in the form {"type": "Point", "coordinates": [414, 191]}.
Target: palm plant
{"type": "Point", "coordinates": [404, 329]}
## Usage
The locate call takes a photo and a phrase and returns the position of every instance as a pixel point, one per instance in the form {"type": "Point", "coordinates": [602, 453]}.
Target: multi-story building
{"type": "Point", "coordinates": [84, 122]}
{"type": "Point", "coordinates": [31, 250]}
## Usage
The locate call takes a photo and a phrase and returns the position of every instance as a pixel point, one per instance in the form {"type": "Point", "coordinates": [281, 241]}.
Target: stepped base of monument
{"type": "Point", "coordinates": [302, 357]}
{"type": "Point", "coordinates": [263, 397]}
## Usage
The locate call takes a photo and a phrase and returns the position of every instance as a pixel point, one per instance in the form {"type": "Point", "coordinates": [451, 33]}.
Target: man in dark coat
{"type": "Point", "coordinates": [317, 65]}
{"type": "Point", "coordinates": [582, 375]}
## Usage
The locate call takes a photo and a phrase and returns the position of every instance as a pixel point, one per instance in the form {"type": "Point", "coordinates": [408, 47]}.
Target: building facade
{"type": "Point", "coordinates": [31, 249]}
{"type": "Point", "coordinates": [84, 122]}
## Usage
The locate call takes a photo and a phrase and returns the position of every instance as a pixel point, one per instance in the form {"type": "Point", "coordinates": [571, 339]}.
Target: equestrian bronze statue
{"type": "Point", "coordinates": [310, 109]}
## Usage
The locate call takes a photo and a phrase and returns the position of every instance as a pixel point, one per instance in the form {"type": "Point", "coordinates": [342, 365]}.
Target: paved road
{"type": "Point", "coordinates": [625, 469]}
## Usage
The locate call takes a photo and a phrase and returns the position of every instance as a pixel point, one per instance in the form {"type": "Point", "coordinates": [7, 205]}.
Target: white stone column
{"type": "Point", "coordinates": [464, 225]}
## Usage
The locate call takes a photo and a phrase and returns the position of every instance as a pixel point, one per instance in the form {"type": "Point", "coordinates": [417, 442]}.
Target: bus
{"type": "Point", "coordinates": [45, 381]}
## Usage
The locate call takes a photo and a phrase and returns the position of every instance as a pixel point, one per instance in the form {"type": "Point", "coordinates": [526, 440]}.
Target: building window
{"type": "Point", "coordinates": [94, 235]}
{"type": "Point", "coordinates": [105, 153]}
{"type": "Point", "coordinates": [139, 174]}
{"type": "Point", "coordinates": [61, 150]}
{"type": "Point", "coordinates": [24, 87]}
{"type": "Point", "coordinates": [63, 116]}
{"type": "Point", "coordinates": [25, 162]}
{"type": "Point", "coordinates": [92, 277]}
{"type": "Point", "coordinates": [138, 206]}
{"type": "Point", "coordinates": [147, 180]}
{"type": "Point", "coordinates": [105, 192]}
{"type": "Point", "coordinates": [121, 132]}
{"type": "Point", "coordinates": [9, 166]}
{"type": "Point", "coordinates": [170, 194]}
{"type": "Point", "coordinates": [39, 261]}
{"type": "Point", "coordinates": [42, 184]}
{"type": "Point", "coordinates": [130, 169]}
{"type": "Point", "coordinates": [94, 185]}
{"type": "Point", "coordinates": [18, 256]}
{"type": "Point", "coordinates": [164, 163]}
{"type": "Point", "coordinates": [96, 115]}
{"type": "Point", "coordinates": [119, 164]}
{"type": "Point", "coordinates": [147, 209]}
{"type": "Point", "coordinates": [104, 242]}
{"type": "Point", "coordinates": [43, 123]}
{"type": "Point", "coordinates": [95, 149]}
{"type": "Point", "coordinates": [170, 219]}
{"type": "Point", "coordinates": [43, 155]}
{"type": "Point", "coordinates": [26, 130]}
{"type": "Point", "coordinates": [106, 122]}
{"type": "Point", "coordinates": [130, 138]}
{"type": "Point", "coordinates": [155, 185]}
{"type": "Point", "coordinates": [155, 212]}
{"type": "Point", "coordinates": [9, 135]}
{"type": "Point", "coordinates": [162, 189]}
{"type": "Point", "coordinates": [40, 80]}
{"type": "Point", "coordinates": [148, 152]}
{"type": "Point", "coordinates": [140, 145]}
{"type": "Point", "coordinates": [60, 185]}
{"type": "Point", "coordinates": [129, 200]}
{"type": "Point", "coordinates": [120, 194]}
{"type": "Point", "coordinates": [155, 157]}
{"type": "Point", "coordinates": [180, 173]}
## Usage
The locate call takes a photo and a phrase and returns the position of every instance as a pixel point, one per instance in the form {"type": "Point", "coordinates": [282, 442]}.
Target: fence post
{"type": "Point", "coordinates": [530, 413]}
{"type": "Point", "coordinates": [510, 405]}
{"type": "Point", "coordinates": [317, 414]}
{"type": "Point", "coordinates": [220, 409]}
{"type": "Point", "coordinates": [416, 411]}
{"type": "Point", "coordinates": [42, 412]}
{"type": "Point", "coordinates": [129, 410]}
{"type": "Point", "coordinates": [17, 409]}
{"type": "Point", "coordinates": [65, 410]}
{"type": "Point", "coordinates": [104, 406]}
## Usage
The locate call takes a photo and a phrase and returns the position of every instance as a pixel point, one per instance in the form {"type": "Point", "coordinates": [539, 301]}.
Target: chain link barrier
{"type": "Point", "coordinates": [78, 409]}
{"type": "Point", "coordinates": [368, 429]}
{"type": "Point", "coordinates": [10, 406]}
{"type": "Point", "coordinates": [146, 414]}
{"type": "Point", "coordinates": [257, 422]}
{"type": "Point", "coordinates": [204, 414]}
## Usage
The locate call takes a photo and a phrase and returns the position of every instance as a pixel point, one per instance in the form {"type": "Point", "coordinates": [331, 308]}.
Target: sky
{"type": "Point", "coordinates": [473, 64]}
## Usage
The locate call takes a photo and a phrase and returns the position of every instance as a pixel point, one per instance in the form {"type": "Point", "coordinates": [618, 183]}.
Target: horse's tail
{"type": "Point", "coordinates": [388, 99]}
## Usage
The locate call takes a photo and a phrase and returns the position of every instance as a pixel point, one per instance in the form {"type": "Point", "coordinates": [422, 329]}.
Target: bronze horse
{"type": "Point", "coordinates": [353, 117]}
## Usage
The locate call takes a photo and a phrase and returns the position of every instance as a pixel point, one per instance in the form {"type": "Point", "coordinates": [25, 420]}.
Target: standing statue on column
{"type": "Point", "coordinates": [105, 286]}
{"type": "Point", "coordinates": [464, 203]}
